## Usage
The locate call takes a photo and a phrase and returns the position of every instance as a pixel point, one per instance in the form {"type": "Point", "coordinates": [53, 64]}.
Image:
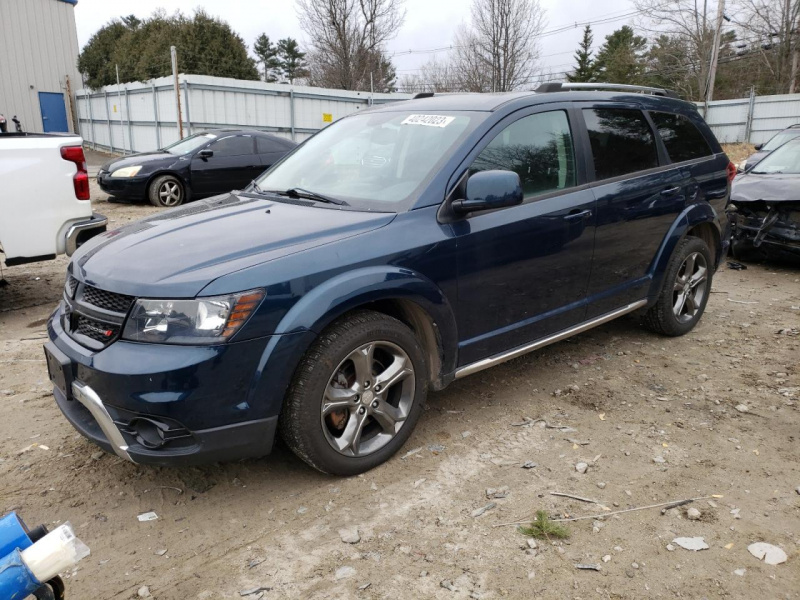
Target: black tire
{"type": "Point", "coordinates": [662, 317]}
{"type": "Point", "coordinates": [302, 424]}
{"type": "Point", "coordinates": [166, 191]}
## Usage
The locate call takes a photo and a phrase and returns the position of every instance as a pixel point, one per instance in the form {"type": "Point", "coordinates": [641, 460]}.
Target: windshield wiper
{"type": "Point", "coordinates": [255, 187]}
{"type": "Point", "coordinates": [301, 193]}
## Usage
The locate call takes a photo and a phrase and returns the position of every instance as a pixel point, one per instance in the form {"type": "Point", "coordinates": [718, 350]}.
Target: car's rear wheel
{"type": "Point", "coordinates": [167, 191]}
{"type": "Point", "coordinates": [687, 286]}
{"type": "Point", "coordinates": [356, 395]}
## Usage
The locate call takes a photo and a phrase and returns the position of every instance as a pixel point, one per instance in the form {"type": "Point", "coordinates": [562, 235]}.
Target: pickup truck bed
{"type": "Point", "coordinates": [44, 197]}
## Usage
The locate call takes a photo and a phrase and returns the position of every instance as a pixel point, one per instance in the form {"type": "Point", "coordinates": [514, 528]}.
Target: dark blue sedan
{"type": "Point", "coordinates": [201, 165]}
{"type": "Point", "coordinates": [395, 251]}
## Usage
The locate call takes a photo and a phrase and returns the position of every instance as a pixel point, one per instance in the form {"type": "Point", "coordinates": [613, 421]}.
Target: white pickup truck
{"type": "Point", "coordinates": [44, 197]}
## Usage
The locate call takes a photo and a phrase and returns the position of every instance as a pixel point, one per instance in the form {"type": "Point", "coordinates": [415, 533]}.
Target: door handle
{"type": "Point", "coordinates": [672, 190]}
{"type": "Point", "coordinates": [578, 216]}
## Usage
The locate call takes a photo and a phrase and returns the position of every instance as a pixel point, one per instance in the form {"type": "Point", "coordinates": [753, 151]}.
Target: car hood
{"type": "Point", "coordinates": [178, 252]}
{"type": "Point", "coordinates": [752, 187]}
{"type": "Point", "coordinates": [140, 159]}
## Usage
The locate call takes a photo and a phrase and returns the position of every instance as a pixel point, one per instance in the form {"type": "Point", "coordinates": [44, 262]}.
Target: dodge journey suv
{"type": "Point", "coordinates": [397, 250]}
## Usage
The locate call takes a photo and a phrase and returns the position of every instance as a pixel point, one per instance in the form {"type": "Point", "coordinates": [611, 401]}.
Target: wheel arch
{"type": "Point", "coordinates": [403, 294]}
{"type": "Point", "coordinates": [698, 220]}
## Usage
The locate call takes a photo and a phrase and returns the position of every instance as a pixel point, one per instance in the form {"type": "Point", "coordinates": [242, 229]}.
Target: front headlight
{"type": "Point", "coordinates": [126, 171]}
{"type": "Point", "coordinates": [201, 321]}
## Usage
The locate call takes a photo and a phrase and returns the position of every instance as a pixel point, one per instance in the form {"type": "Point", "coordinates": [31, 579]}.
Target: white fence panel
{"type": "Point", "coordinates": [148, 110]}
{"type": "Point", "coordinates": [756, 121]}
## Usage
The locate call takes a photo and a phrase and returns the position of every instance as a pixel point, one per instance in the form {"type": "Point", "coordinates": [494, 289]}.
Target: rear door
{"type": "Point", "coordinates": [271, 150]}
{"type": "Point", "coordinates": [523, 270]}
{"type": "Point", "coordinates": [639, 193]}
{"type": "Point", "coordinates": [233, 165]}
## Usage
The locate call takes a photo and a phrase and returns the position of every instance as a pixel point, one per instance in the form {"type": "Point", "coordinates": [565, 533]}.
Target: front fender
{"type": "Point", "coordinates": [347, 291]}
{"type": "Point", "coordinates": [691, 216]}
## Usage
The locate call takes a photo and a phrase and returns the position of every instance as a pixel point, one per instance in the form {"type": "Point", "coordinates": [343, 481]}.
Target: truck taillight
{"type": "Point", "coordinates": [81, 179]}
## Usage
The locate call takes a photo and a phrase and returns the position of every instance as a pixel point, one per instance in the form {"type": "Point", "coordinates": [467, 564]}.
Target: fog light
{"type": "Point", "coordinates": [149, 433]}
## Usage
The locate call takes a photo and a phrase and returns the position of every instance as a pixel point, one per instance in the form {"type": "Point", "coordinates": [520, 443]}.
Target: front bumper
{"type": "Point", "coordinates": [166, 405]}
{"type": "Point", "coordinates": [123, 187]}
{"type": "Point", "coordinates": [774, 228]}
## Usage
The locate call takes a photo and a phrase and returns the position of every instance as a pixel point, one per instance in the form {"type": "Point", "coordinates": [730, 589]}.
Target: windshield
{"type": "Point", "coordinates": [785, 159]}
{"type": "Point", "coordinates": [779, 139]}
{"type": "Point", "coordinates": [186, 145]}
{"type": "Point", "coordinates": [372, 161]}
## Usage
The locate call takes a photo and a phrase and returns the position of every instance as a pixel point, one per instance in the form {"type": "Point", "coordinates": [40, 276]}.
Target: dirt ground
{"type": "Point", "coordinates": [655, 419]}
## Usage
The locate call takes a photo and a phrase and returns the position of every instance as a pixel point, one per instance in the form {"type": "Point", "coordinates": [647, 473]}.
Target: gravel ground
{"type": "Point", "coordinates": [714, 413]}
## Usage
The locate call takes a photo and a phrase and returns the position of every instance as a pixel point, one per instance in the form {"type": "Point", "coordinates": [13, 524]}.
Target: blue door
{"type": "Point", "coordinates": [523, 271]}
{"type": "Point", "coordinates": [54, 113]}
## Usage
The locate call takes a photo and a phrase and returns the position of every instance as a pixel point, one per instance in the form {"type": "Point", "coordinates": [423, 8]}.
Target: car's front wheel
{"type": "Point", "coordinates": [687, 286]}
{"type": "Point", "coordinates": [167, 191]}
{"type": "Point", "coordinates": [356, 395]}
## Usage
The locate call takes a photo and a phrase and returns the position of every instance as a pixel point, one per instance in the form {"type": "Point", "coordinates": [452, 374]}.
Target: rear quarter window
{"type": "Point", "coordinates": [681, 137]}
{"type": "Point", "coordinates": [622, 141]}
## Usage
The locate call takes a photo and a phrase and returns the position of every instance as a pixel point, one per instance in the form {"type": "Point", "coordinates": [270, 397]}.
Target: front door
{"type": "Point", "coordinates": [54, 113]}
{"type": "Point", "coordinates": [523, 271]}
{"type": "Point", "coordinates": [232, 166]}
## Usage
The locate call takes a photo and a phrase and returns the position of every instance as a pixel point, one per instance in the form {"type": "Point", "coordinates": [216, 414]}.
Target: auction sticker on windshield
{"type": "Point", "coordinates": [428, 120]}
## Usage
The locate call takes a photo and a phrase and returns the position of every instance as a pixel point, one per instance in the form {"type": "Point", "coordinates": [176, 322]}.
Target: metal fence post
{"type": "Point", "coordinates": [108, 120]}
{"type": "Point", "coordinates": [291, 112]}
{"type": "Point", "coordinates": [91, 120]}
{"type": "Point", "coordinates": [155, 115]}
{"type": "Point", "coordinates": [128, 114]}
{"type": "Point", "coordinates": [748, 128]}
{"type": "Point", "coordinates": [186, 102]}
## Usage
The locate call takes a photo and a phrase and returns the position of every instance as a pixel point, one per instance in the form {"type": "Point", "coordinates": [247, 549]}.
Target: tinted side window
{"type": "Point", "coordinates": [622, 141]}
{"type": "Point", "coordinates": [266, 145]}
{"type": "Point", "coordinates": [682, 139]}
{"type": "Point", "coordinates": [538, 148]}
{"type": "Point", "coordinates": [233, 146]}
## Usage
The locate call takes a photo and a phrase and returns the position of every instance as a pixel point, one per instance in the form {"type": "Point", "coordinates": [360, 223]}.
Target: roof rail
{"type": "Point", "coordinates": [617, 87]}
{"type": "Point", "coordinates": [422, 95]}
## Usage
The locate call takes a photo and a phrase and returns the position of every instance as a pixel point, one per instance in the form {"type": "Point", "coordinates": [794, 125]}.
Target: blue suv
{"type": "Point", "coordinates": [397, 250]}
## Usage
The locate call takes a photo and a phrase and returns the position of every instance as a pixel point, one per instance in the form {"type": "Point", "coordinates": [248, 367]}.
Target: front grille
{"type": "Point", "coordinates": [118, 303]}
{"type": "Point", "coordinates": [72, 285]}
{"type": "Point", "coordinates": [95, 330]}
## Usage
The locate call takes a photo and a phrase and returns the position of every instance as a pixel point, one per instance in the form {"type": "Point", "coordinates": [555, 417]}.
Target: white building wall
{"type": "Point", "coordinates": [38, 50]}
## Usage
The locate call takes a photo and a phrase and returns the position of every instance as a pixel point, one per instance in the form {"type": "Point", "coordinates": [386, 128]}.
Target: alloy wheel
{"type": "Point", "coordinates": [170, 193]}
{"type": "Point", "coordinates": [691, 287]}
{"type": "Point", "coordinates": [368, 398]}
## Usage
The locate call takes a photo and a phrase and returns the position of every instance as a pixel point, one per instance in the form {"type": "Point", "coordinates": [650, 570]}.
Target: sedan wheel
{"type": "Point", "coordinates": [166, 191]}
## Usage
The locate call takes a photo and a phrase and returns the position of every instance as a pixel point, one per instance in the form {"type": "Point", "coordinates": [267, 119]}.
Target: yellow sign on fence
{"type": "Point", "coordinates": [327, 118]}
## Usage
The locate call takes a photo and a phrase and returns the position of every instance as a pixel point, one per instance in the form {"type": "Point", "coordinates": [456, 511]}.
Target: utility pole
{"type": "Point", "coordinates": [712, 72]}
{"type": "Point", "coordinates": [795, 57]}
{"type": "Point", "coordinates": [119, 103]}
{"type": "Point", "coordinates": [174, 54]}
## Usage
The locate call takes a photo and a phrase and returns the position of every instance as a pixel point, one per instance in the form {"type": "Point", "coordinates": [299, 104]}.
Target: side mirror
{"type": "Point", "coordinates": [490, 189]}
{"type": "Point", "coordinates": [205, 153]}
{"type": "Point", "coordinates": [758, 147]}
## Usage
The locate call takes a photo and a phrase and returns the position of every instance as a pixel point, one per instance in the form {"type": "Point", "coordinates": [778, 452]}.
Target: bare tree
{"type": "Point", "coordinates": [773, 30]}
{"type": "Point", "coordinates": [689, 26]}
{"type": "Point", "coordinates": [499, 51]}
{"type": "Point", "coordinates": [347, 41]}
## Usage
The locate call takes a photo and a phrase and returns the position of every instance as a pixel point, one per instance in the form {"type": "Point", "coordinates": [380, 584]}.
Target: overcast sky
{"type": "Point", "coordinates": [429, 23]}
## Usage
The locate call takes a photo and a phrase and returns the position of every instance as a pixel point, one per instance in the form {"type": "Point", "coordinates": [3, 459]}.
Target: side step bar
{"type": "Point", "coordinates": [552, 339]}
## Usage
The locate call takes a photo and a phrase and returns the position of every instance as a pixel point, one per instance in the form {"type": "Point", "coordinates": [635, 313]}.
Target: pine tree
{"type": "Point", "coordinates": [267, 54]}
{"type": "Point", "coordinates": [585, 70]}
{"type": "Point", "coordinates": [291, 61]}
{"type": "Point", "coordinates": [621, 58]}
